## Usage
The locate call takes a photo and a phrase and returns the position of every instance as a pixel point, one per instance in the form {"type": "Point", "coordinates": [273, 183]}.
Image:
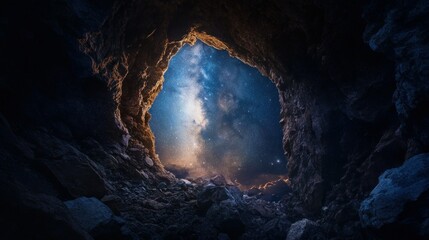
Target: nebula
{"type": "Point", "coordinates": [216, 115]}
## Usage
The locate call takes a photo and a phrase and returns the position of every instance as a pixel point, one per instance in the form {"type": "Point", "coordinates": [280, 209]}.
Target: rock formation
{"type": "Point", "coordinates": [78, 78]}
{"type": "Point", "coordinates": [388, 206]}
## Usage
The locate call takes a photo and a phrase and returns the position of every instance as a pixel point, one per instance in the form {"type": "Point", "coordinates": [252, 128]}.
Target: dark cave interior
{"type": "Point", "coordinates": [78, 158]}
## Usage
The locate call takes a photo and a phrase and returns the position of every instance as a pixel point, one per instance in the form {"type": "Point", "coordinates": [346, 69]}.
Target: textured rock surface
{"type": "Point", "coordinates": [323, 104]}
{"type": "Point", "coordinates": [305, 229]}
{"type": "Point", "coordinates": [329, 129]}
{"type": "Point", "coordinates": [89, 212]}
{"type": "Point", "coordinates": [176, 211]}
{"type": "Point", "coordinates": [97, 219]}
{"type": "Point", "coordinates": [78, 77]}
{"type": "Point", "coordinates": [400, 190]}
{"type": "Point", "coordinates": [73, 169]}
{"type": "Point", "coordinates": [399, 30]}
{"type": "Point", "coordinates": [40, 216]}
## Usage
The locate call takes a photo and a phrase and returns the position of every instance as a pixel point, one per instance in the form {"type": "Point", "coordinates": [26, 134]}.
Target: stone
{"type": "Point", "coordinates": [226, 218]}
{"type": "Point", "coordinates": [154, 204]}
{"type": "Point", "coordinates": [148, 161]}
{"type": "Point", "coordinates": [260, 207]}
{"type": "Point", "coordinates": [185, 184]}
{"type": "Point", "coordinates": [113, 202]}
{"type": "Point", "coordinates": [35, 216]}
{"type": "Point", "coordinates": [8, 138]}
{"type": "Point", "coordinates": [95, 68]}
{"type": "Point", "coordinates": [75, 171]}
{"type": "Point", "coordinates": [254, 191]}
{"type": "Point", "coordinates": [89, 212]}
{"type": "Point", "coordinates": [125, 156]}
{"type": "Point", "coordinates": [218, 180]}
{"type": "Point", "coordinates": [212, 194]}
{"type": "Point", "coordinates": [96, 218]}
{"type": "Point", "coordinates": [398, 189]}
{"type": "Point", "coordinates": [185, 181]}
{"type": "Point", "coordinates": [235, 193]}
{"type": "Point", "coordinates": [305, 230]}
{"type": "Point", "coordinates": [143, 173]}
{"type": "Point", "coordinates": [407, 45]}
{"type": "Point", "coordinates": [276, 228]}
{"type": "Point", "coordinates": [162, 185]}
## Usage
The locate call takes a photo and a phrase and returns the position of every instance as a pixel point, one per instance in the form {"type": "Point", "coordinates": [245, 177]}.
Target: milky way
{"type": "Point", "coordinates": [216, 115]}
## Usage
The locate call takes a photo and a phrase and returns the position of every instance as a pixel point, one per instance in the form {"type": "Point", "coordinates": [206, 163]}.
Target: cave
{"type": "Point", "coordinates": [218, 116]}
{"type": "Point", "coordinates": [79, 78]}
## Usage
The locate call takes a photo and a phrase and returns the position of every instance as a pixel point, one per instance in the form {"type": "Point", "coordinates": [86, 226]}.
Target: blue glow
{"type": "Point", "coordinates": [217, 115]}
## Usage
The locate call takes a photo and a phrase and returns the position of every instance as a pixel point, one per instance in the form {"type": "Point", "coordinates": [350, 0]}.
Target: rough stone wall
{"type": "Point", "coordinates": [78, 77]}
{"type": "Point", "coordinates": [335, 92]}
{"type": "Point", "coordinates": [399, 30]}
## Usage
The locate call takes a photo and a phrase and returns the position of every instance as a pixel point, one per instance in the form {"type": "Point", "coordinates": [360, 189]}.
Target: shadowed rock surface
{"type": "Point", "coordinates": [78, 77]}
{"type": "Point", "coordinates": [97, 219]}
{"type": "Point", "coordinates": [305, 229]}
{"type": "Point", "coordinates": [387, 207]}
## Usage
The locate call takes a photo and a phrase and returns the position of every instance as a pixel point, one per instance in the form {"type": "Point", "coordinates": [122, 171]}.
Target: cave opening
{"type": "Point", "coordinates": [77, 153]}
{"type": "Point", "coordinates": [216, 115]}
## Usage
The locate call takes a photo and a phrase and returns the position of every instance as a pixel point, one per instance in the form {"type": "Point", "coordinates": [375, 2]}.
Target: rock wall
{"type": "Point", "coordinates": [398, 29]}
{"type": "Point", "coordinates": [78, 79]}
{"type": "Point", "coordinates": [335, 91]}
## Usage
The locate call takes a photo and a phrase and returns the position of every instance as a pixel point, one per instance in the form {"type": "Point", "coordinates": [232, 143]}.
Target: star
{"type": "Point", "coordinates": [193, 132]}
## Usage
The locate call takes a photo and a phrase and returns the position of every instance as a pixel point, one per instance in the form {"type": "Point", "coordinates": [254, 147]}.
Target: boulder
{"type": "Point", "coordinates": [74, 170]}
{"type": "Point", "coordinates": [36, 216]}
{"type": "Point", "coordinates": [78, 175]}
{"type": "Point", "coordinates": [218, 180]}
{"type": "Point", "coordinates": [8, 139]}
{"type": "Point", "coordinates": [259, 207]}
{"type": "Point", "coordinates": [305, 230]}
{"type": "Point", "coordinates": [276, 228]}
{"type": "Point", "coordinates": [97, 218]}
{"type": "Point", "coordinates": [400, 200]}
{"type": "Point", "coordinates": [210, 195]}
{"type": "Point", "coordinates": [254, 191]}
{"type": "Point", "coordinates": [226, 218]}
{"type": "Point", "coordinates": [113, 202]}
{"type": "Point", "coordinates": [215, 194]}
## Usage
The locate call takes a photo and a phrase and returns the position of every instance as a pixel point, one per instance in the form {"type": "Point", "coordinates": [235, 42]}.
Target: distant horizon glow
{"type": "Point", "coordinates": [217, 115]}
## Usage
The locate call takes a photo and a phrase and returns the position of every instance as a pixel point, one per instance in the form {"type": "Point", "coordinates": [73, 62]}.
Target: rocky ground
{"type": "Point", "coordinates": [201, 209]}
{"type": "Point", "coordinates": [128, 201]}
{"type": "Point", "coordinates": [77, 156]}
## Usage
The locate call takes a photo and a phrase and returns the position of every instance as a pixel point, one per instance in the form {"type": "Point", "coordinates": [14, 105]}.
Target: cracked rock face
{"type": "Point", "coordinates": [333, 105]}
{"type": "Point", "coordinates": [394, 33]}
{"type": "Point", "coordinates": [78, 79]}
{"type": "Point", "coordinates": [398, 189]}
{"type": "Point", "coordinates": [305, 229]}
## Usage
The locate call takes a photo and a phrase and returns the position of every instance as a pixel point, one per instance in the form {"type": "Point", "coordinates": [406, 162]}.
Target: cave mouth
{"type": "Point", "coordinates": [217, 115]}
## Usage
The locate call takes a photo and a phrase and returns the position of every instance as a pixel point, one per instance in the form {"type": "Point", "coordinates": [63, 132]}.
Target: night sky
{"type": "Point", "coordinates": [217, 115]}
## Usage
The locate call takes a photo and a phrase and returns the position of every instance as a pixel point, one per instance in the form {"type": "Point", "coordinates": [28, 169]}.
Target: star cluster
{"type": "Point", "coordinates": [217, 115]}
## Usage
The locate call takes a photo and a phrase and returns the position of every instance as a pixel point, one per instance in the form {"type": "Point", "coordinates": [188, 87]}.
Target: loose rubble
{"type": "Point", "coordinates": [201, 209]}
